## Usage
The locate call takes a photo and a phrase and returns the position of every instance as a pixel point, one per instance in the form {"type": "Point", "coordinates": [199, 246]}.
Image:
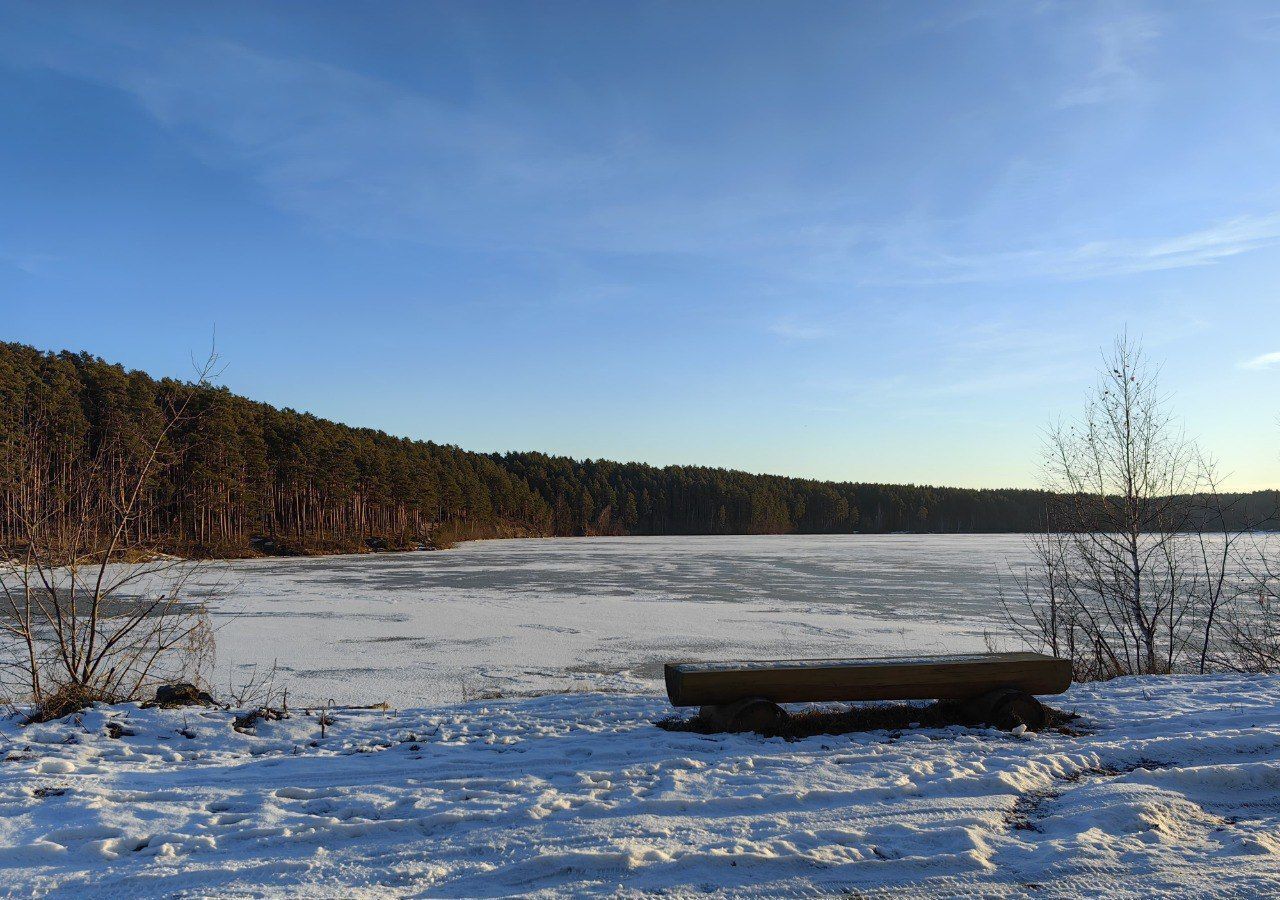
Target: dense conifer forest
{"type": "Point", "coordinates": [239, 476]}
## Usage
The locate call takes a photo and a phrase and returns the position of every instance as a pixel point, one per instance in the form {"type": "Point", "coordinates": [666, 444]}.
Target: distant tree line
{"type": "Point", "coordinates": [236, 474]}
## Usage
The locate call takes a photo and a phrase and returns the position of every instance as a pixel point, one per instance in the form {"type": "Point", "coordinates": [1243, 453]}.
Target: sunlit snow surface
{"type": "Point", "coordinates": [537, 615]}
{"type": "Point", "coordinates": [1173, 789]}
{"type": "Point", "coordinates": [1177, 793]}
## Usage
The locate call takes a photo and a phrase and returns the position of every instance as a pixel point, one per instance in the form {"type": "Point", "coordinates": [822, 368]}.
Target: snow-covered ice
{"type": "Point", "coordinates": [1174, 792]}
{"type": "Point", "coordinates": [556, 614]}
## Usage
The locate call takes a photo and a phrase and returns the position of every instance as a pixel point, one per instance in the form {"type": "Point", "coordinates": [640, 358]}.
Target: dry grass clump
{"type": "Point", "coordinates": [64, 701]}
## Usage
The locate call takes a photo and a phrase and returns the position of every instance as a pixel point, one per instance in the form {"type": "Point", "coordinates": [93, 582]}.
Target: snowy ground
{"type": "Point", "coordinates": [539, 615]}
{"type": "Point", "coordinates": [1176, 793]}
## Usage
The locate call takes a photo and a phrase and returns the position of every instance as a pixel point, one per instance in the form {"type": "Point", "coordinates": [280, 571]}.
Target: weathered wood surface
{"type": "Point", "coordinates": [918, 678]}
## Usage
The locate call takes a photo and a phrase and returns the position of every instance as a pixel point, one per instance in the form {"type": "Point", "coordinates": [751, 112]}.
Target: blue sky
{"type": "Point", "coordinates": [877, 241]}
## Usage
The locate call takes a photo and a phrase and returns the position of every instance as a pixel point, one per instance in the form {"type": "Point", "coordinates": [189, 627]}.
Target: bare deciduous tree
{"type": "Point", "coordinates": [85, 613]}
{"type": "Point", "coordinates": [1136, 565]}
{"type": "Point", "coordinates": [1124, 473]}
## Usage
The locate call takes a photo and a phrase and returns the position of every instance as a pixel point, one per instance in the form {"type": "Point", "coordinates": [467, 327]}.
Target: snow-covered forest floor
{"type": "Point", "coordinates": [1174, 790]}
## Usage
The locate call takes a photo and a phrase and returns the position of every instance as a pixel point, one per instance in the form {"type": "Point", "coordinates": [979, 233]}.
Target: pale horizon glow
{"type": "Point", "coordinates": [849, 241]}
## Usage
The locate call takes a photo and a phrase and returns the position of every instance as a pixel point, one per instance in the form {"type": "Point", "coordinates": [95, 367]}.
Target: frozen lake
{"type": "Point", "coordinates": [523, 616]}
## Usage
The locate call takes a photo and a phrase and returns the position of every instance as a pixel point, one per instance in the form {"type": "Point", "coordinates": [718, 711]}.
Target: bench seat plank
{"type": "Point", "coordinates": [958, 677]}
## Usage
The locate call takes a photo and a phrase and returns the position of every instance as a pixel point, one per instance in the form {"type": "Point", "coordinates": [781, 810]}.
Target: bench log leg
{"type": "Point", "coordinates": [747, 714]}
{"type": "Point", "coordinates": [1006, 709]}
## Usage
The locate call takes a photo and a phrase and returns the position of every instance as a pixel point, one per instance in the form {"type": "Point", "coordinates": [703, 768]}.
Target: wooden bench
{"type": "Point", "coordinates": [992, 688]}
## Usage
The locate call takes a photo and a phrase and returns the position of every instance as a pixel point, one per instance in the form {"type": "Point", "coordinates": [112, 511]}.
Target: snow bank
{"type": "Point", "coordinates": [1175, 792]}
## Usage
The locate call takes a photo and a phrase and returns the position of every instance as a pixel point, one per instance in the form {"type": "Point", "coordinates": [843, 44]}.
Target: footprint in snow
{"type": "Point", "coordinates": [55, 767]}
{"type": "Point", "coordinates": [297, 793]}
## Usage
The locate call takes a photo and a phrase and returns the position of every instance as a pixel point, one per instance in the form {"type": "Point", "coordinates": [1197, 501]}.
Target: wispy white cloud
{"type": "Point", "coordinates": [362, 155]}
{"type": "Point", "coordinates": [1263, 361]}
{"type": "Point", "coordinates": [941, 384]}
{"type": "Point", "coordinates": [956, 359]}
{"type": "Point", "coordinates": [30, 263]}
{"type": "Point", "coordinates": [793, 328]}
{"type": "Point", "coordinates": [936, 264]}
{"type": "Point", "coordinates": [350, 151]}
{"type": "Point", "coordinates": [1114, 74]}
{"type": "Point", "coordinates": [1264, 26]}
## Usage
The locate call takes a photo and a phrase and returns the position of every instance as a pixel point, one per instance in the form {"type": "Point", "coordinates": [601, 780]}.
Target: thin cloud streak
{"type": "Point", "coordinates": [793, 329]}
{"type": "Point", "coordinates": [1115, 74]}
{"type": "Point", "coordinates": [1264, 361]}
{"type": "Point", "coordinates": [348, 151]}
{"type": "Point", "coordinates": [1096, 259]}
{"type": "Point", "coordinates": [360, 155]}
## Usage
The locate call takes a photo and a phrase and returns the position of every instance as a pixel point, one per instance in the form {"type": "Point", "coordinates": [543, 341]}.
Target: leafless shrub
{"type": "Point", "coordinates": [1250, 626]}
{"type": "Point", "coordinates": [258, 689]}
{"type": "Point", "coordinates": [86, 612]}
{"type": "Point", "coordinates": [1136, 571]}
